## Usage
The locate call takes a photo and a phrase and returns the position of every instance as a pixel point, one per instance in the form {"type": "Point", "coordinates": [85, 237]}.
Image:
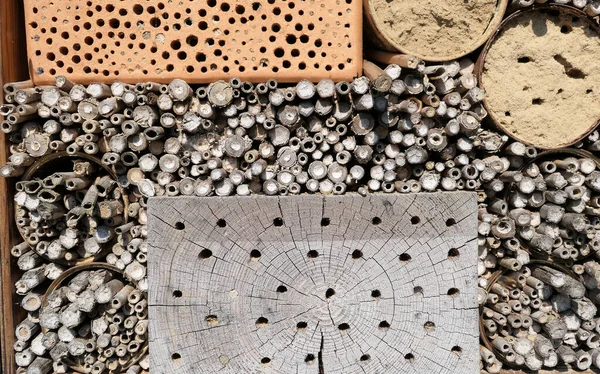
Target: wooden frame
{"type": "Point", "coordinates": [13, 67]}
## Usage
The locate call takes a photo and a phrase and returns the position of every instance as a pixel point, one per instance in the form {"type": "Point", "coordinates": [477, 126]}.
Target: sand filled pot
{"type": "Point", "coordinates": [541, 77]}
{"type": "Point", "coordinates": [434, 30]}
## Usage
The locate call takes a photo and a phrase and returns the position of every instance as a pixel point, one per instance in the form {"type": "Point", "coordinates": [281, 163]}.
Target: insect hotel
{"type": "Point", "coordinates": [300, 186]}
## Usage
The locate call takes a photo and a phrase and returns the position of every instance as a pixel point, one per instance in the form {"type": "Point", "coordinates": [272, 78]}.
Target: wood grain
{"type": "Point", "coordinates": [370, 277]}
{"type": "Point", "coordinates": [13, 67]}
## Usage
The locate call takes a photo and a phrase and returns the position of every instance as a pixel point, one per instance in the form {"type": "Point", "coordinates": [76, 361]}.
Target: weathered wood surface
{"type": "Point", "coordinates": [13, 68]}
{"type": "Point", "coordinates": [218, 269]}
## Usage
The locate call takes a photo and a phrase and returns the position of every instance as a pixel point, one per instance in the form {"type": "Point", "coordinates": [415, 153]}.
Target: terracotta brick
{"type": "Point", "coordinates": [199, 41]}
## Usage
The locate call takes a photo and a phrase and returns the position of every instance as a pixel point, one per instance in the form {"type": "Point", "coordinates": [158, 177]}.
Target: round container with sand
{"type": "Point", "coordinates": [433, 30]}
{"type": "Point", "coordinates": [541, 76]}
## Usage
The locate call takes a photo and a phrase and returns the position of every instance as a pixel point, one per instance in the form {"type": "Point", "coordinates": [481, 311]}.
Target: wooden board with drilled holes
{"type": "Point", "coordinates": [299, 284]}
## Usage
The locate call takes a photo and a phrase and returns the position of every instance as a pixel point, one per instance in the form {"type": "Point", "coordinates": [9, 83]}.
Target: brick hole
{"type": "Point", "coordinates": [175, 44]}
{"type": "Point", "coordinates": [365, 357]}
{"type": "Point", "coordinates": [453, 292]}
{"type": "Point", "coordinates": [272, 38]}
{"type": "Point", "coordinates": [343, 327]}
{"type": "Point", "coordinates": [151, 10]}
{"type": "Point", "coordinates": [49, 41]}
{"type": "Point", "coordinates": [51, 56]}
{"type": "Point", "coordinates": [287, 64]}
{"type": "Point", "coordinates": [200, 57]}
{"type": "Point", "coordinates": [231, 20]}
{"type": "Point", "coordinates": [188, 22]}
{"type": "Point", "coordinates": [261, 322]}
{"type": "Point", "coordinates": [311, 54]}
{"type": "Point", "coordinates": [312, 254]}
{"type": "Point", "coordinates": [376, 294]}
{"type": "Point", "coordinates": [225, 7]}
{"type": "Point", "coordinates": [88, 56]}
{"type": "Point", "coordinates": [341, 66]}
{"type": "Point", "coordinates": [35, 10]}
{"type": "Point", "coordinates": [298, 27]}
{"type": "Point", "coordinates": [204, 69]}
{"type": "Point", "coordinates": [302, 66]}
{"type": "Point", "coordinates": [275, 27]}
{"type": "Point", "coordinates": [182, 55]}
{"type": "Point", "coordinates": [218, 52]}
{"type": "Point", "coordinates": [291, 39]}
{"type": "Point", "coordinates": [276, 11]}
{"type": "Point", "coordinates": [89, 13]}
{"type": "Point", "coordinates": [275, 69]}
{"type": "Point", "coordinates": [282, 289]}
{"type": "Point", "coordinates": [33, 25]}
{"type": "Point", "coordinates": [453, 254]}
{"type": "Point", "coordinates": [76, 28]}
{"type": "Point", "coordinates": [311, 26]}
{"type": "Point", "coordinates": [309, 358]}
{"type": "Point", "coordinates": [256, 6]}
{"type": "Point", "coordinates": [357, 254]}
{"type": "Point", "coordinates": [70, 70]}
{"type": "Point", "coordinates": [38, 53]}
{"type": "Point", "coordinates": [189, 69]}
{"type": "Point", "coordinates": [52, 71]}
{"type": "Point", "coordinates": [203, 25]}
{"type": "Point", "coordinates": [405, 257]}
{"type": "Point", "coordinates": [138, 9]}
{"type": "Point", "coordinates": [216, 19]}
{"type": "Point", "coordinates": [60, 64]}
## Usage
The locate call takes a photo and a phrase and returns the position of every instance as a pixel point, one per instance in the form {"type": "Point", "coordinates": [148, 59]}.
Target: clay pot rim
{"type": "Point", "coordinates": [58, 282]}
{"type": "Point", "coordinates": [34, 168]}
{"type": "Point", "coordinates": [479, 65]}
{"type": "Point", "coordinates": [495, 22]}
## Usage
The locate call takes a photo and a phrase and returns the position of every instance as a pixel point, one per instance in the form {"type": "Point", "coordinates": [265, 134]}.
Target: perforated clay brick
{"type": "Point", "coordinates": [199, 41]}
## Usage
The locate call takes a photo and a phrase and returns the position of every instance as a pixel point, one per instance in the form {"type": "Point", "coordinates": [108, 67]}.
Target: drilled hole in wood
{"type": "Point", "coordinates": [204, 254]}
{"type": "Point", "coordinates": [255, 255]}
{"type": "Point", "coordinates": [376, 221]}
{"type": "Point", "coordinates": [282, 289]}
{"type": "Point", "coordinates": [429, 326]}
{"type": "Point", "coordinates": [329, 293]}
{"type": "Point", "coordinates": [312, 254]}
{"type": "Point", "coordinates": [365, 357]}
{"type": "Point", "coordinates": [221, 223]}
{"type": "Point", "coordinates": [456, 350]}
{"type": "Point", "coordinates": [384, 325]}
{"type": "Point", "coordinates": [261, 322]}
{"type": "Point", "coordinates": [175, 356]}
{"type": "Point", "coordinates": [325, 222]}
{"type": "Point", "coordinates": [405, 257]}
{"type": "Point", "coordinates": [415, 220]}
{"type": "Point", "coordinates": [376, 293]}
{"type": "Point", "coordinates": [343, 327]}
{"type": "Point", "coordinates": [310, 358]}
{"type": "Point", "coordinates": [453, 254]}
{"type": "Point", "coordinates": [177, 294]}
{"type": "Point", "coordinates": [356, 254]}
{"type": "Point", "coordinates": [450, 222]}
{"type": "Point", "coordinates": [453, 292]}
{"type": "Point", "coordinates": [409, 357]}
{"type": "Point", "coordinates": [179, 225]}
{"type": "Point", "coordinates": [301, 325]}
{"type": "Point", "coordinates": [278, 222]}
{"type": "Point", "coordinates": [265, 361]}
{"type": "Point", "coordinates": [212, 319]}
